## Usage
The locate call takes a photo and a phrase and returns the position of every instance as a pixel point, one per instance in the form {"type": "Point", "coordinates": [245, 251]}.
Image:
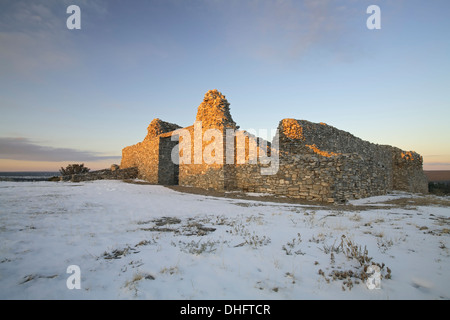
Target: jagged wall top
{"type": "Point", "coordinates": [214, 111]}
{"type": "Point", "coordinates": [157, 127]}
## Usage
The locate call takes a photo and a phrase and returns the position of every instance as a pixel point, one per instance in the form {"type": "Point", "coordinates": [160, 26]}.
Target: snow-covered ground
{"type": "Point", "coordinates": [134, 241]}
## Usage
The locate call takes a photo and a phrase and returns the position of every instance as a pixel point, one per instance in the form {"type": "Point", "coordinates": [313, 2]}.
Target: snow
{"type": "Point", "coordinates": [136, 241]}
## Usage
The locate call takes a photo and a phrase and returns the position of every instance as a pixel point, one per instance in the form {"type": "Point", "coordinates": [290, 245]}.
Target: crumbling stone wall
{"type": "Point", "coordinates": [357, 168]}
{"type": "Point", "coordinates": [214, 111]}
{"type": "Point", "coordinates": [206, 166]}
{"type": "Point", "coordinates": [152, 155]}
{"type": "Point", "coordinates": [193, 169]}
{"type": "Point", "coordinates": [314, 177]}
{"type": "Point", "coordinates": [408, 174]}
{"type": "Point", "coordinates": [316, 161]}
{"type": "Point", "coordinates": [105, 174]}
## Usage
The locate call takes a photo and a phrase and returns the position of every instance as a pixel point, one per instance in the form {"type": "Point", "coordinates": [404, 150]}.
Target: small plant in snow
{"type": "Point", "coordinates": [119, 253]}
{"type": "Point", "coordinates": [352, 252]}
{"type": "Point", "coordinates": [384, 244]}
{"type": "Point", "coordinates": [239, 229]}
{"type": "Point", "coordinates": [310, 219]}
{"type": "Point", "coordinates": [257, 241]}
{"type": "Point", "coordinates": [132, 284]}
{"type": "Point", "coordinates": [330, 249]}
{"type": "Point", "coordinates": [251, 239]}
{"type": "Point", "coordinates": [290, 246]}
{"type": "Point", "coordinates": [319, 238]}
{"type": "Point", "coordinates": [197, 247]}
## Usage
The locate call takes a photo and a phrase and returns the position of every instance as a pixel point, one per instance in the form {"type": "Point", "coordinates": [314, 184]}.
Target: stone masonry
{"type": "Point", "coordinates": [315, 161]}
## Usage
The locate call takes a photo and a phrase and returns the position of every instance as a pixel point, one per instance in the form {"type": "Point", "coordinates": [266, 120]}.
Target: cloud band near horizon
{"type": "Point", "coordinates": [24, 149]}
{"type": "Point", "coordinates": [27, 150]}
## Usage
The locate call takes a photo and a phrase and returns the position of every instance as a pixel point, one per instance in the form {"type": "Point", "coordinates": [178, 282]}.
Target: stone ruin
{"type": "Point", "coordinates": [314, 161]}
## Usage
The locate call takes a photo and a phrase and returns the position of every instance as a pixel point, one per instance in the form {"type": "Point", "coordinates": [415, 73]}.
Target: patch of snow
{"type": "Point", "coordinates": [377, 199]}
{"type": "Point", "coordinates": [258, 194]}
{"type": "Point", "coordinates": [135, 241]}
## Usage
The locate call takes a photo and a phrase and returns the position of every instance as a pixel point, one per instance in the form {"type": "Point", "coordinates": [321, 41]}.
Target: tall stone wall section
{"type": "Point", "coordinates": [193, 169]}
{"type": "Point", "coordinates": [206, 167]}
{"type": "Point", "coordinates": [144, 156]}
{"type": "Point", "coordinates": [408, 174]}
{"type": "Point", "coordinates": [152, 155]}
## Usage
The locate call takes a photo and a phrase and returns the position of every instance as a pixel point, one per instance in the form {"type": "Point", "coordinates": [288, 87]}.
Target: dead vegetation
{"type": "Point", "coordinates": [119, 253]}
{"type": "Point", "coordinates": [31, 277]}
{"type": "Point", "coordinates": [190, 227]}
{"type": "Point", "coordinates": [417, 201]}
{"type": "Point", "coordinates": [353, 253]}
{"type": "Point", "coordinates": [409, 201]}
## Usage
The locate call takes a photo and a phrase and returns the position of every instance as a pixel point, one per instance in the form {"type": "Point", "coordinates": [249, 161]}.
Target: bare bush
{"type": "Point", "coordinates": [73, 169]}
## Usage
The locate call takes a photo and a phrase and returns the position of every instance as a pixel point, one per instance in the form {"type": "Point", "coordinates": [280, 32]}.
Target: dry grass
{"type": "Point", "coordinates": [353, 252]}
{"type": "Point", "coordinates": [420, 201]}
{"type": "Point", "coordinates": [406, 202]}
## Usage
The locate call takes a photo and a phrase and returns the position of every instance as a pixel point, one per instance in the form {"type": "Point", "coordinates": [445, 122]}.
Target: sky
{"type": "Point", "coordinates": [81, 95]}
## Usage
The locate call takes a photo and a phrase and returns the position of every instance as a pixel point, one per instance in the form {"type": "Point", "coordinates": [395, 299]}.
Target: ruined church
{"type": "Point", "coordinates": [305, 160]}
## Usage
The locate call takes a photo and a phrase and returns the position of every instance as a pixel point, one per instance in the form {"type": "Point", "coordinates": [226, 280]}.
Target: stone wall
{"type": "Point", "coordinates": [206, 166]}
{"type": "Point", "coordinates": [326, 140]}
{"type": "Point", "coordinates": [316, 161]}
{"type": "Point", "coordinates": [310, 177]}
{"type": "Point", "coordinates": [321, 163]}
{"type": "Point", "coordinates": [105, 174]}
{"type": "Point", "coordinates": [144, 156]}
{"type": "Point", "coordinates": [152, 156]}
{"type": "Point", "coordinates": [408, 174]}
{"type": "Point", "coordinates": [193, 169]}
{"type": "Point", "coordinates": [357, 168]}
{"type": "Point", "coordinates": [354, 168]}
{"type": "Point", "coordinates": [214, 111]}
{"type": "Point", "coordinates": [300, 179]}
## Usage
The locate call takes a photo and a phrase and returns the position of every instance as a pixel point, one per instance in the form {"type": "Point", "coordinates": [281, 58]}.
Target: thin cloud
{"type": "Point", "coordinates": [25, 149]}
{"type": "Point", "coordinates": [33, 36]}
{"type": "Point", "coordinates": [288, 29]}
{"type": "Point", "coordinates": [435, 164]}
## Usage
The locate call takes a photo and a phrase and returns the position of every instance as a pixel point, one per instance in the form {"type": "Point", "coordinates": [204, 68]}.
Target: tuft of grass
{"type": "Point", "coordinates": [133, 283]}
{"type": "Point", "coordinates": [384, 244]}
{"type": "Point", "coordinates": [171, 270]}
{"type": "Point", "coordinates": [333, 248]}
{"type": "Point", "coordinates": [249, 238]}
{"type": "Point", "coordinates": [197, 247]}
{"type": "Point", "coordinates": [291, 245]}
{"type": "Point", "coordinates": [119, 253]}
{"type": "Point", "coordinates": [353, 252]}
{"type": "Point", "coordinates": [255, 241]}
{"type": "Point", "coordinates": [428, 200]}
{"type": "Point", "coordinates": [355, 217]}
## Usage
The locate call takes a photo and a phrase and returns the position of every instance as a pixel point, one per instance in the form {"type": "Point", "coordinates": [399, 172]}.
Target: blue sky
{"type": "Point", "coordinates": [71, 96]}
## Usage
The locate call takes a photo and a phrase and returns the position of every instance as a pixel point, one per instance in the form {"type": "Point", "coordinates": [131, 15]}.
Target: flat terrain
{"type": "Point", "coordinates": [437, 176]}
{"type": "Point", "coordinates": [140, 241]}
